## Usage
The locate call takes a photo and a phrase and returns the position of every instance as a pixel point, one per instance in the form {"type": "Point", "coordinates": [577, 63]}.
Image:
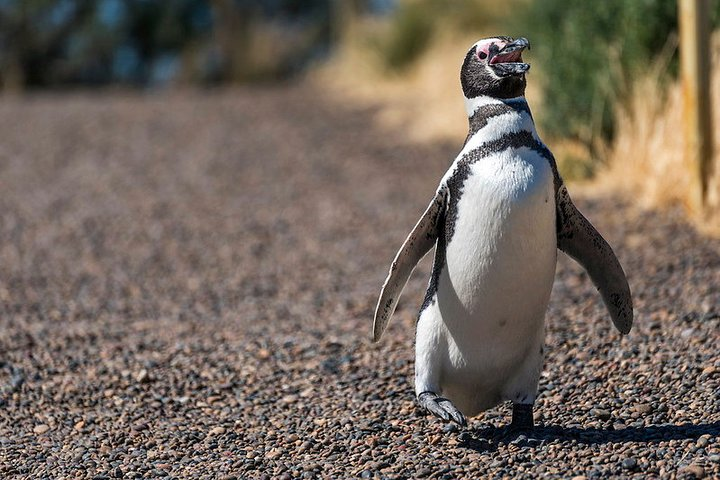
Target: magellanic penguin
{"type": "Point", "coordinates": [497, 219]}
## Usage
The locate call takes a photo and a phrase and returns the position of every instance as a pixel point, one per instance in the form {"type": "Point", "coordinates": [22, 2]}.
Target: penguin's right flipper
{"type": "Point", "coordinates": [417, 244]}
{"type": "Point", "coordinates": [578, 238]}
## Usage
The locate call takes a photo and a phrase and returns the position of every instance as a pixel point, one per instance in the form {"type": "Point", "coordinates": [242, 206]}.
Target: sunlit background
{"type": "Point", "coordinates": [603, 78]}
{"type": "Point", "coordinates": [200, 200]}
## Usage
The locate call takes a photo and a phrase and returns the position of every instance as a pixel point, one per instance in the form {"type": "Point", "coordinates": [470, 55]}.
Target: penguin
{"type": "Point", "coordinates": [496, 221]}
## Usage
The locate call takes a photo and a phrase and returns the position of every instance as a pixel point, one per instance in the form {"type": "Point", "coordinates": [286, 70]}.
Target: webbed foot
{"type": "Point", "coordinates": [441, 408]}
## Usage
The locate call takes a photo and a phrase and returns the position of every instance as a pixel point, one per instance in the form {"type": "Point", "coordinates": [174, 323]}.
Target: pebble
{"type": "Point", "coordinates": [629, 463]}
{"type": "Point", "coordinates": [601, 413]}
{"type": "Point", "coordinates": [143, 233]}
{"type": "Point", "coordinates": [703, 441]}
{"type": "Point", "coordinates": [142, 376]}
{"type": "Point", "coordinates": [643, 408]}
{"type": "Point", "coordinates": [450, 428]}
{"type": "Point", "coordinates": [41, 428]}
{"type": "Point", "coordinates": [273, 454]}
{"type": "Point", "coordinates": [696, 471]}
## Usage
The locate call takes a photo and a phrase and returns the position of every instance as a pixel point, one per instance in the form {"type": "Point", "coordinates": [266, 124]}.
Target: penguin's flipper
{"type": "Point", "coordinates": [417, 244]}
{"type": "Point", "coordinates": [578, 238]}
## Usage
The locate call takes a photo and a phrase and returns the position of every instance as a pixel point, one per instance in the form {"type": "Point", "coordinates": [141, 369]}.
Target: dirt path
{"type": "Point", "coordinates": [186, 290]}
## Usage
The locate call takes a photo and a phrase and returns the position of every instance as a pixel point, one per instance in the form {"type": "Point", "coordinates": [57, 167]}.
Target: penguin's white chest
{"type": "Point", "coordinates": [501, 258]}
{"type": "Point", "coordinates": [495, 285]}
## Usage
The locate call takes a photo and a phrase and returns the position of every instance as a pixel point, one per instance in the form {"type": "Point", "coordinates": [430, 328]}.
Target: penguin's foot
{"type": "Point", "coordinates": [522, 418]}
{"type": "Point", "coordinates": [441, 408]}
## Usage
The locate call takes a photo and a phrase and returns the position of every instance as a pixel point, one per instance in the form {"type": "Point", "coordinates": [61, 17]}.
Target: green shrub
{"type": "Point", "coordinates": [588, 53]}
{"type": "Point", "coordinates": [409, 35]}
{"type": "Point", "coordinates": [414, 23]}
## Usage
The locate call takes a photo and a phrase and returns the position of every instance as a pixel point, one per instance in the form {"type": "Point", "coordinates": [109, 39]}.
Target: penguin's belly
{"type": "Point", "coordinates": [495, 287]}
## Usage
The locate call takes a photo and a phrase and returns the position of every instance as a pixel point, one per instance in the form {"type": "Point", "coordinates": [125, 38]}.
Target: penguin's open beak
{"type": "Point", "coordinates": [508, 59]}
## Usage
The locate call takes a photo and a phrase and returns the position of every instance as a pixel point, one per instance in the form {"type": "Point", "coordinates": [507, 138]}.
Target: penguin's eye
{"type": "Point", "coordinates": [482, 55]}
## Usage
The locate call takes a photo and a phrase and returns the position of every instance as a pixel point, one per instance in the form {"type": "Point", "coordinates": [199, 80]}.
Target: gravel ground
{"type": "Point", "coordinates": [187, 284]}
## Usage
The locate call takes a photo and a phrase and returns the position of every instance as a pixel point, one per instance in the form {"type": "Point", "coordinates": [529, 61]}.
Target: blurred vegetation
{"type": "Point", "coordinates": [587, 53]}
{"type": "Point", "coordinates": [413, 25]}
{"type": "Point", "coordinates": [47, 43]}
{"type": "Point", "coordinates": [587, 56]}
{"type": "Point", "coordinates": [590, 52]}
{"type": "Point", "coordinates": [51, 43]}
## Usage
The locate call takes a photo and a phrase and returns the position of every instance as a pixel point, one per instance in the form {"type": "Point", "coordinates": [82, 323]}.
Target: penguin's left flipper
{"type": "Point", "coordinates": [417, 244]}
{"type": "Point", "coordinates": [578, 238]}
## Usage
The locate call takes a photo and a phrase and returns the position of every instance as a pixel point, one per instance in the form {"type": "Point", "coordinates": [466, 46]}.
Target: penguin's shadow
{"type": "Point", "coordinates": [488, 439]}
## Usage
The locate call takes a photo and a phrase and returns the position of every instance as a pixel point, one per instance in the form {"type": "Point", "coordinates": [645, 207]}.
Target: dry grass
{"type": "Point", "coordinates": [646, 158]}
{"type": "Point", "coordinates": [424, 103]}
{"type": "Point", "coordinates": [645, 161]}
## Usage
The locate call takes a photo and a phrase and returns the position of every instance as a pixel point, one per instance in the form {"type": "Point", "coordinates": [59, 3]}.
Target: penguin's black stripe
{"type": "Point", "coordinates": [456, 184]}
{"type": "Point", "coordinates": [520, 105]}
{"type": "Point", "coordinates": [512, 140]}
{"type": "Point", "coordinates": [484, 113]}
{"type": "Point", "coordinates": [438, 263]}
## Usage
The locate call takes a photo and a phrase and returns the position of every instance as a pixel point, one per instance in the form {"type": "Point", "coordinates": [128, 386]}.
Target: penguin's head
{"type": "Point", "coordinates": [493, 67]}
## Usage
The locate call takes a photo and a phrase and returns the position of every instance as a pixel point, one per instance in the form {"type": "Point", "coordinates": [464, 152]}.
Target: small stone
{"type": "Point", "coordinates": [273, 454]}
{"type": "Point", "coordinates": [601, 413]}
{"type": "Point", "coordinates": [217, 431]}
{"type": "Point", "coordinates": [643, 408]}
{"type": "Point", "coordinates": [79, 425]}
{"type": "Point", "coordinates": [263, 354]}
{"type": "Point", "coordinates": [579, 477]}
{"type": "Point", "coordinates": [143, 376]}
{"type": "Point", "coordinates": [629, 463]}
{"type": "Point", "coordinates": [366, 474]}
{"type": "Point", "coordinates": [450, 428]}
{"type": "Point", "coordinates": [693, 470]}
{"type": "Point", "coordinates": [40, 429]}
{"type": "Point", "coordinates": [703, 441]}
{"type": "Point", "coordinates": [711, 370]}
{"type": "Point", "coordinates": [714, 458]}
